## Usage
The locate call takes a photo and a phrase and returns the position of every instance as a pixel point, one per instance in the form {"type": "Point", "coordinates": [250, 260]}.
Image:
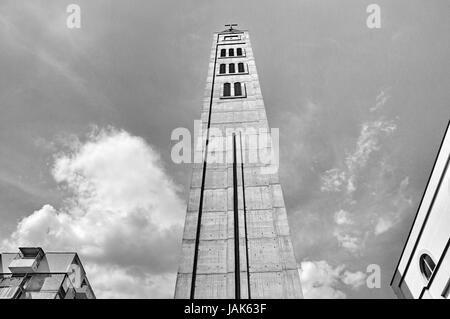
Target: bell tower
{"type": "Point", "coordinates": [236, 241]}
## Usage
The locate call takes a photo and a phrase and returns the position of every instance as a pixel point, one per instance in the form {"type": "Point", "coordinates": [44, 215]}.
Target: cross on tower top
{"type": "Point", "coordinates": [231, 25]}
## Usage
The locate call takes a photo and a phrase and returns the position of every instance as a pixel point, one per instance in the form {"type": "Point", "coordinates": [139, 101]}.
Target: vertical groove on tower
{"type": "Point", "coordinates": [237, 259]}
{"type": "Point", "coordinates": [245, 219]}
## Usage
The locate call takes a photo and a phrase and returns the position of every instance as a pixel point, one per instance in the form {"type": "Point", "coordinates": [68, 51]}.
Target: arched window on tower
{"type": "Point", "coordinates": [427, 266]}
{"type": "Point", "coordinates": [241, 68]}
{"type": "Point", "coordinates": [231, 68]}
{"type": "Point", "coordinates": [223, 52]}
{"type": "Point", "coordinates": [230, 52]}
{"type": "Point", "coordinates": [237, 89]}
{"type": "Point", "coordinates": [226, 89]}
{"type": "Point", "coordinates": [222, 69]}
{"type": "Point", "coordinates": [239, 51]}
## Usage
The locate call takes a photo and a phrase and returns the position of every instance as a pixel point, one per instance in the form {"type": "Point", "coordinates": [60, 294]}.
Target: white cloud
{"type": "Point", "coordinates": [383, 225]}
{"type": "Point", "coordinates": [368, 140]}
{"type": "Point", "coordinates": [353, 172]}
{"type": "Point", "coordinates": [319, 280]}
{"type": "Point", "coordinates": [347, 241]}
{"type": "Point", "coordinates": [336, 179]}
{"type": "Point", "coordinates": [322, 281]}
{"type": "Point", "coordinates": [123, 215]}
{"type": "Point", "coordinates": [381, 100]}
{"type": "Point", "coordinates": [333, 179]}
{"type": "Point", "coordinates": [401, 202]}
{"type": "Point", "coordinates": [126, 284]}
{"type": "Point", "coordinates": [343, 217]}
{"type": "Point", "coordinates": [353, 279]}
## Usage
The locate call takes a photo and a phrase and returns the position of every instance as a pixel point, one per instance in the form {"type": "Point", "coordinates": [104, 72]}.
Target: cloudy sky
{"type": "Point", "coordinates": [87, 115]}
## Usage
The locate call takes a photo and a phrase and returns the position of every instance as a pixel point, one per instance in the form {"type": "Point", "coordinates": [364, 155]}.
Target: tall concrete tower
{"type": "Point", "coordinates": [236, 241]}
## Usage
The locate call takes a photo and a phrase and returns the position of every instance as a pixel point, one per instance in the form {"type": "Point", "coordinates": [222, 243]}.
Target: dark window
{"type": "Point", "coordinates": [237, 89]}
{"type": "Point", "coordinates": [231, 68]}
{"type": "Point", "coordinates": [239, 51]}
{"type": "Point", "coordinates": [223, 52]}
{"type": "Point", "coordinates": [231, 37]}
{"type": "Point", "coordinates": [241, 67]}
{"type": "Point", "coordinates": [231, 52]}
{"type": "Point", "coordinates": [222, 69]}
{"type": "Point", "coordinates": [427, 266]}
{"type": "Point", "coordinates": [226, 89]}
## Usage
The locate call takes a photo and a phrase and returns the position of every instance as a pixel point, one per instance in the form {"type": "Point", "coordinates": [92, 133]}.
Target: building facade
{"type": "Point", "coordinates": [32, 273]}
{"type": "Point", "coordinates": [423, 271]}
{"type": "Point", "coordinates": [236, 241]}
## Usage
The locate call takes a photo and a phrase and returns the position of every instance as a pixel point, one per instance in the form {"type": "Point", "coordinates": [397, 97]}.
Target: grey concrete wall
{"type": "Point", "coordinates": [273, 268]}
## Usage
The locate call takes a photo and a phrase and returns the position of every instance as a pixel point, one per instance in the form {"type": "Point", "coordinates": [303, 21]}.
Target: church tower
{"type": "Point", "coordinates": [236, 241]}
